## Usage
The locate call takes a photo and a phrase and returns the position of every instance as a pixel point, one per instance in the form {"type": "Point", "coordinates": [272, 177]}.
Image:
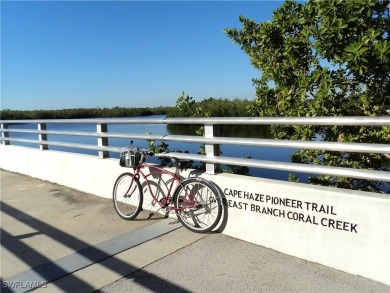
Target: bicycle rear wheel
{"type": "Point", "coordinates": [198, 205]}
{"type": "Point", "coordinates": [127, 196]}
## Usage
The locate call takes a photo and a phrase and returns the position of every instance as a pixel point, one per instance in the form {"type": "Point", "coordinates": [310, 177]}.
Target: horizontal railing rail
{"type": "Point", "coordinates": [212, 142]}
{"type": "Point", "coordinates": [298, 144]}
{"type": "Point", "coordinates": [347, 121]}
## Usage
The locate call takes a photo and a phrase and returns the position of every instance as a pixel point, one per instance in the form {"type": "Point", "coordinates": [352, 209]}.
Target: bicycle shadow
{"type": "Point", "coordinates": [225, 207]}
{"type": "Point", "coordinates": [225, 210]}
{"type": "Point", "coordinates": [162, 189]}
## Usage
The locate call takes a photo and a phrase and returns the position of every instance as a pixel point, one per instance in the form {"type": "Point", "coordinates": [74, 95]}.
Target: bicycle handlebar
{"type": "Point", "coordinates": [148, 152]}
{"type": "Point", "coordinates": [145, 152]}
{"type": "Point", "coordinates": [179, 164]}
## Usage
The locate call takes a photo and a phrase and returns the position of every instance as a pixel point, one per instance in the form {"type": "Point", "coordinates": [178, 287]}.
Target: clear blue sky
{"type": "Point", "coordinates": [71, 54]}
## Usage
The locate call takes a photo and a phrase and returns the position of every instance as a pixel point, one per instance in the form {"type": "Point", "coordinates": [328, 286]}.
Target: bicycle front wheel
{"type": "Point", "coordinates": [198, 205]}
{"type": "Point", "coordinates": [127, 196]}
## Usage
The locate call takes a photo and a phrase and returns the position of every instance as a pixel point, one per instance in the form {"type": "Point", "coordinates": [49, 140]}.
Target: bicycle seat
{"type": "Point", "coordinates": [180, 164]}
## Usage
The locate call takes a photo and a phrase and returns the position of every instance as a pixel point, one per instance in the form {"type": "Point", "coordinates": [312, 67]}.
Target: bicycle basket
{"type": "Point", "coordinates": [129, 157]}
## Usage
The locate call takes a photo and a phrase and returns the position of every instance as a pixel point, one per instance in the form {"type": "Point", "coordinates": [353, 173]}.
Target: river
{"type": "Point", "coordinates": [259, 153]}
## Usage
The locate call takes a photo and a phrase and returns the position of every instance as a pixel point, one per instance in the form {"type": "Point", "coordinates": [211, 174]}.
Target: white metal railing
{"type": "Point", "coordinates": [212, 158]}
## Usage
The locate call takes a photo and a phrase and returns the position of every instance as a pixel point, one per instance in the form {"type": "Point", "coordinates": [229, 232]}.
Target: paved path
{"type": "Point", "coordinates": [69, 241]}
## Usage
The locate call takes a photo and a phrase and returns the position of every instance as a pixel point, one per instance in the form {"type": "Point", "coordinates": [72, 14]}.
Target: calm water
{"type": "Point", "coordinates": [260, 153]}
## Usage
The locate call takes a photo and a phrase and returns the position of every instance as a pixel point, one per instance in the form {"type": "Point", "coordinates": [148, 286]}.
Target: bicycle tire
{"type": "Point", "coordinates": [127, 201]}
{"type": "Point", "coordinates": [206, 214]}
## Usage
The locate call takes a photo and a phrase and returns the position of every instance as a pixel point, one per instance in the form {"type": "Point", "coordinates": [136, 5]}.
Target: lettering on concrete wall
{"type": "Point", "coordinates": [312, 213]}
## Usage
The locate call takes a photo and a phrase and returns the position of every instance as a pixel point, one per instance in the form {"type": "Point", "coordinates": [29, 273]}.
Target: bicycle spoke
{"type": "Point", "coordinates": [127, 196]}
{"type": "Point", "coordinates": [197, 205]}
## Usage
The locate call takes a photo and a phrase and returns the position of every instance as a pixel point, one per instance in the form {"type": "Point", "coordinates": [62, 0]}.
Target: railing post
{"type": "Point", "coordinates": [212, 150]}
{"type": "Point", "coordinates": [5, 134]}
{"type": "Point", "coordinates": [42, 137]}
{"type": "Point", "coordinates": [102, 141]}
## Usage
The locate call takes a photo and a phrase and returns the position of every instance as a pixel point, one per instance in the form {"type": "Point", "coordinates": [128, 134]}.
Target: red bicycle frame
{"type": "Point", "coordinates": [167, 200]}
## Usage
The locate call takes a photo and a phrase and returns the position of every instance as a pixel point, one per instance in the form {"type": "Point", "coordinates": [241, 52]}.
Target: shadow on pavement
{"type": "Point", "coordinates": [49, 271]}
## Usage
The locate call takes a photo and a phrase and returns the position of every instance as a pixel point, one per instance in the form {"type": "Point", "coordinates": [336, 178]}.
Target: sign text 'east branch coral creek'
{"type": "Point", "coordinates": [302, 211]}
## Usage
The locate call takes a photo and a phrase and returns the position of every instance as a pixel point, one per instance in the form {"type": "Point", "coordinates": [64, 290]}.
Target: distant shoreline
{"type": "Point", "coordinates": [79, 113]}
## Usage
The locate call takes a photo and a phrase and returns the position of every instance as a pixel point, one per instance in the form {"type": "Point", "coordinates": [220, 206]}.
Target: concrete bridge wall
{"type": "Point", "coordinates": [346, 230]}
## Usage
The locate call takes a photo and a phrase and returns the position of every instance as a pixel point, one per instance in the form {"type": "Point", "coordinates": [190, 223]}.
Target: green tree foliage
{"type": "Point", "coordinates": [324, 58]}
{"type": "Point", "coordinates": [186, 106]}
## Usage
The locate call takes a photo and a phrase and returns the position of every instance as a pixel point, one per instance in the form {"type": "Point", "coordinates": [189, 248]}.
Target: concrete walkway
{"type": "Point", "coordinates": [68, 241]}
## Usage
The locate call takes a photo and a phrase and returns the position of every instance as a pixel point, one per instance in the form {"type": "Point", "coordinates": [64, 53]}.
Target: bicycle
{"type": "Point", "coordinates": [196, 201]}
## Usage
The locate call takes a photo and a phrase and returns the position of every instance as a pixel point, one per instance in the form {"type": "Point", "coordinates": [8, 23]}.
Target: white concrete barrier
{"type": "Point", "coordinates": [343, 229]}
